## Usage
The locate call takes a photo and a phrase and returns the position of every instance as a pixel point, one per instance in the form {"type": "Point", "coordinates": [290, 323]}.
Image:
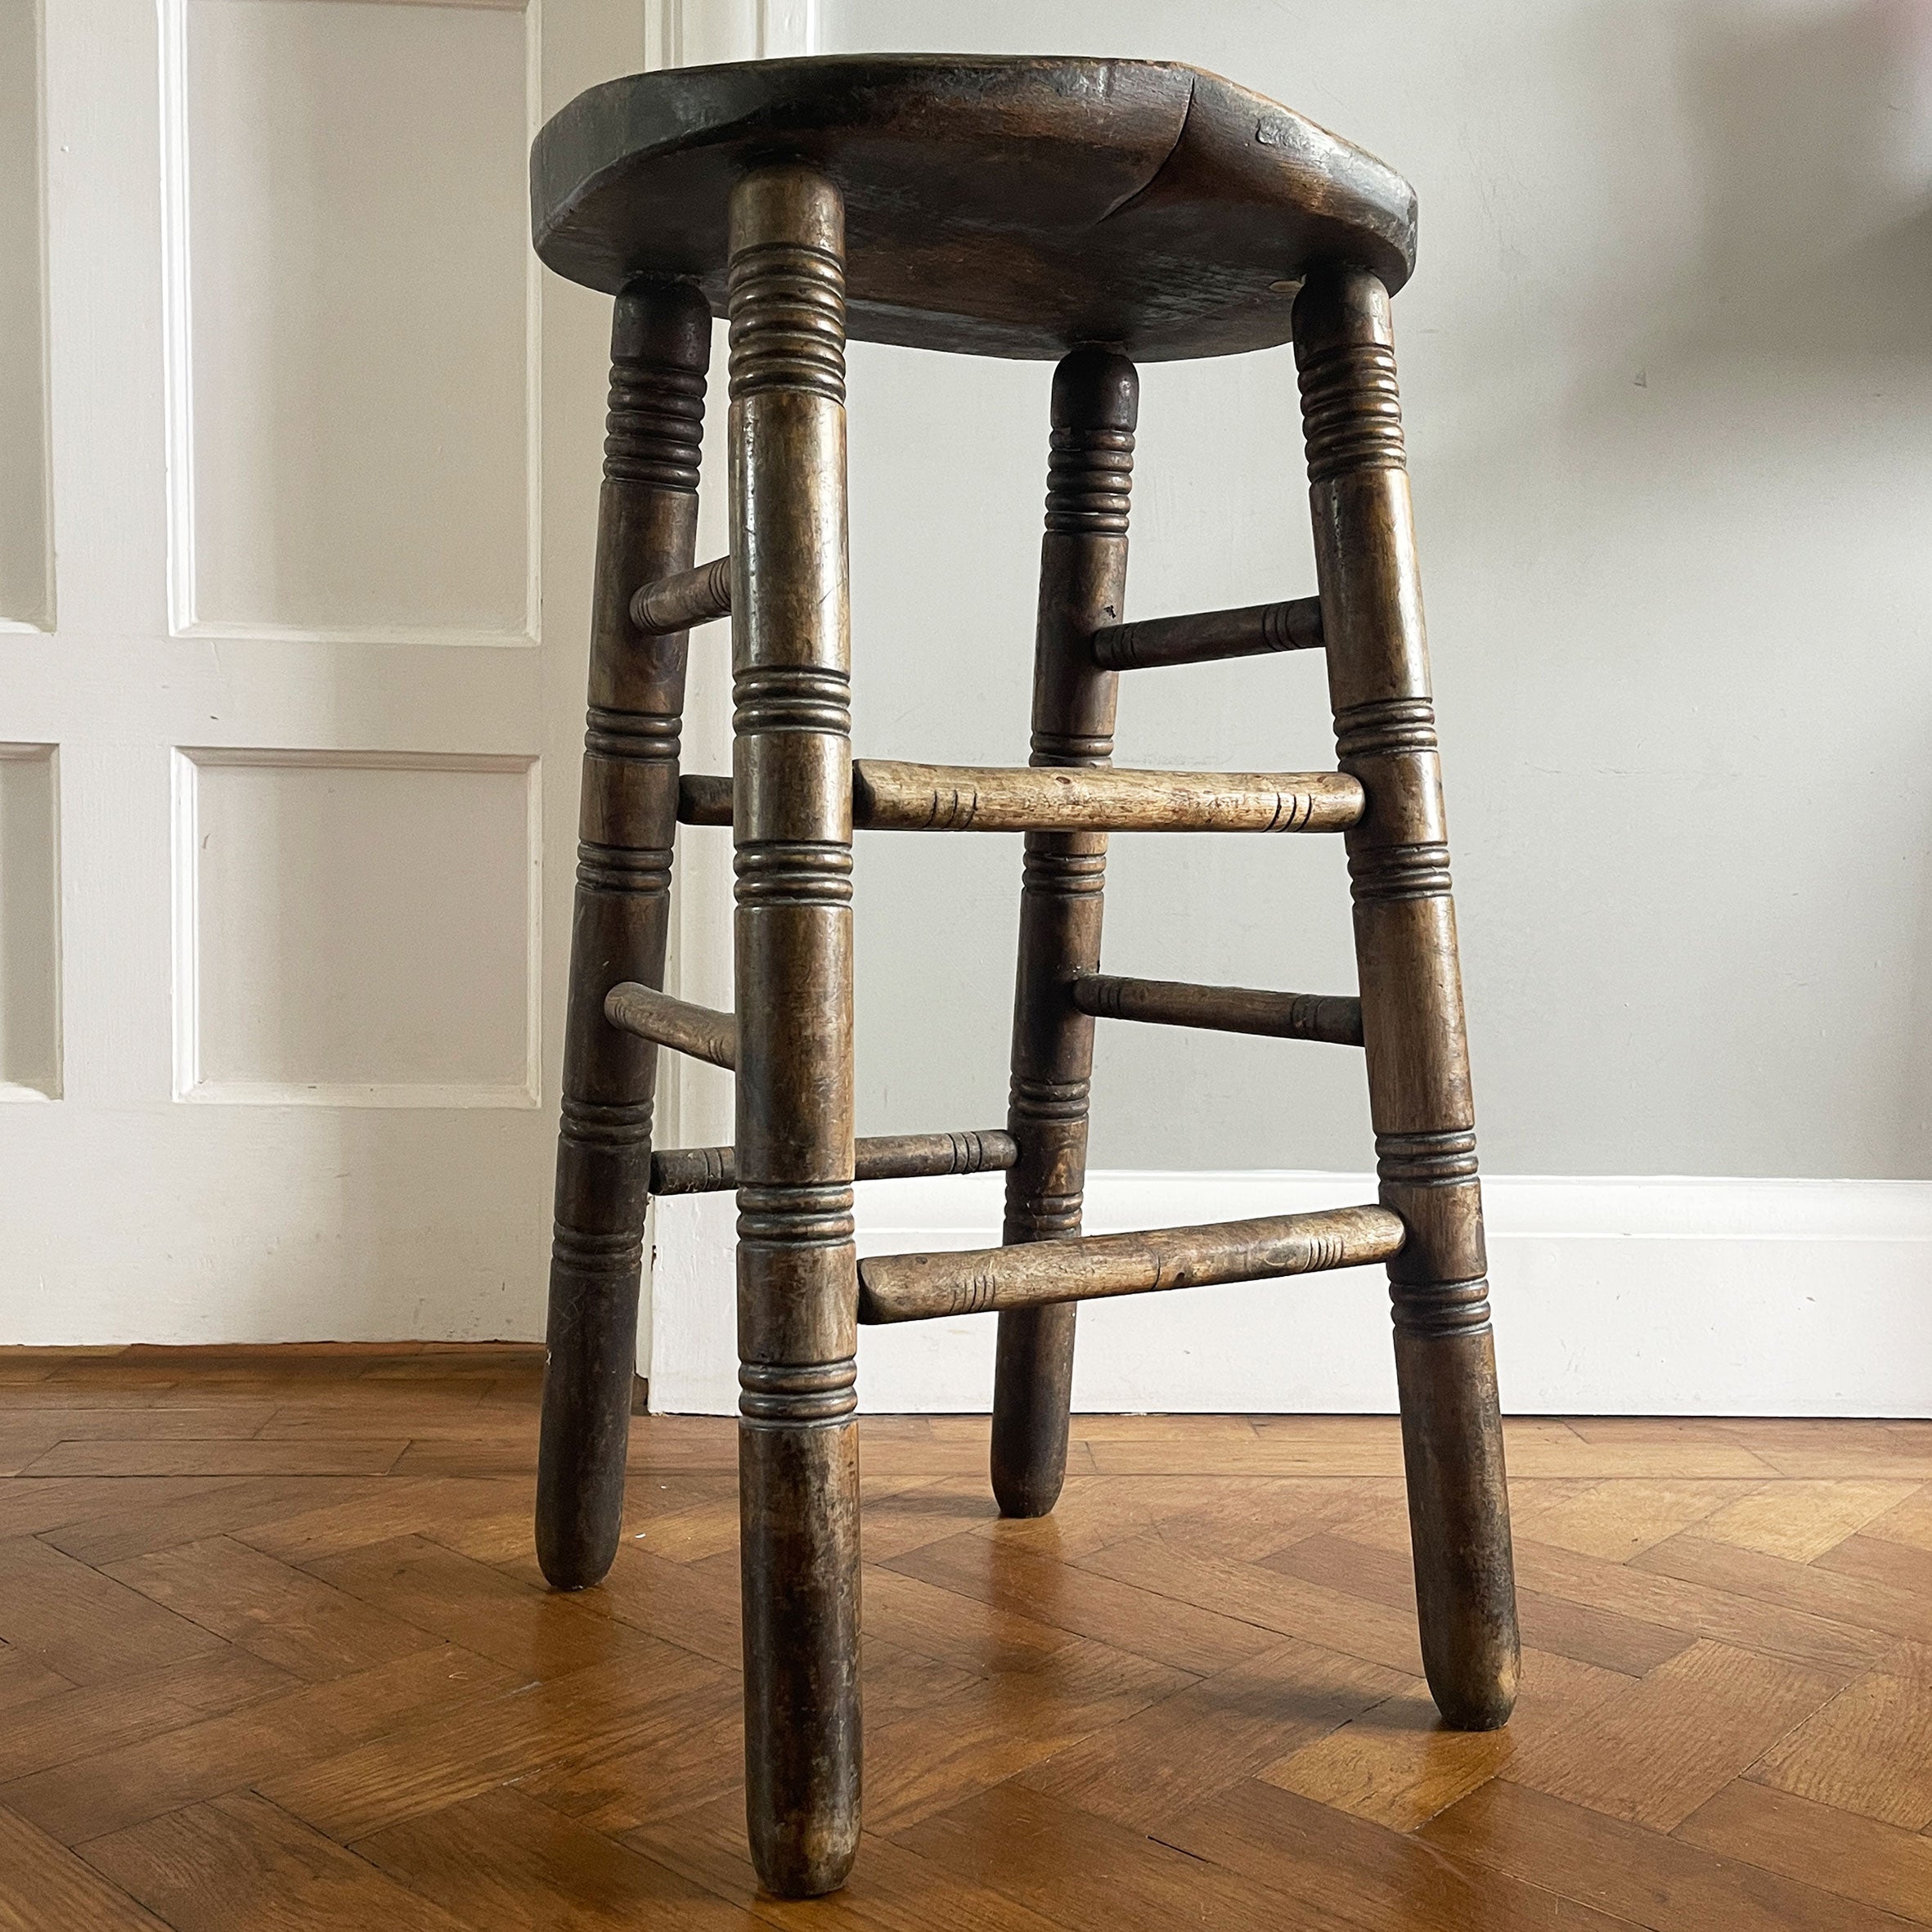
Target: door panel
{"type": "Point", "coordinates": [350, 253]}
{"type": "Point", "coordinates": [287, 792]}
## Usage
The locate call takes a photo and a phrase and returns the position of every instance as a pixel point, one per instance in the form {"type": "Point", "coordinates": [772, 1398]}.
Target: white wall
{"type": "Point", "coordinates": [1668, 373]}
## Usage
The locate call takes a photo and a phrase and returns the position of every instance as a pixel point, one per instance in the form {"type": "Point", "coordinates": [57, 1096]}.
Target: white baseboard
{"type": "Point", "coordinates": [1616, 1296]}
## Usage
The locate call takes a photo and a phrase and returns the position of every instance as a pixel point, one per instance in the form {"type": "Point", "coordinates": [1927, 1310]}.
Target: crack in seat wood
{"type": "Point", "coordinates": [1100, 212]}
{"type": "Point", "coordinates": [998, 207]}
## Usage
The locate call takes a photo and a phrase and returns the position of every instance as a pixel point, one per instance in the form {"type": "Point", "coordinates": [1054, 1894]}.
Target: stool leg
{"type": "Point", "coordinates": [647, 520]}
{"type": "Point", "coordinates": [1412, 996]}
{"type": "Point", "coordinates": [797, 1281]}
{"type": "Point", "coordinates": [1083, 574]}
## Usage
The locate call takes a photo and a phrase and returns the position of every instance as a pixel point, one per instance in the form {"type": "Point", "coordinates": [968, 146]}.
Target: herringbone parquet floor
{"type": "Point", "coordinates": [276, 1655]}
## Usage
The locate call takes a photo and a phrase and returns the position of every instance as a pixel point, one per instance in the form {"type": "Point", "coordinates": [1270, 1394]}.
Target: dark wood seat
{"type": "Point", "coordinates": [995, 206]}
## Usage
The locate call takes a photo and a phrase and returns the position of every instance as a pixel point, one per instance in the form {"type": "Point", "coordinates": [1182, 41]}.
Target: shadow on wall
{"type": "Point", "coordinates": [1816, 251]}
{"type": "Point", "coordinates": [1816, 139]}
{"type": "Point", "coordinates": [1675, 532]}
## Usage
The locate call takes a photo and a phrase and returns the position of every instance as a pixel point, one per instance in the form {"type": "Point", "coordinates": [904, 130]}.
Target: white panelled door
{"type": "Point", "coordinates": [298, 462]}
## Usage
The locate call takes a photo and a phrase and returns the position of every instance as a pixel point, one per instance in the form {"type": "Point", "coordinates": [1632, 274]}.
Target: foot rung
{"type": "Point", "coordinates": [1208, 635]}
{"type": "Point", "coordinates": [883, 1156]}
{"type": "Point", "coordinates": [703, 800]}
{"type": "Point", "coordinates": [1221, 1009]}
{"type": "Point", "coordinates": [690, 597]}
{"type": "Point", "coordinates": [698, 1030]}
{"type": "Point", "coordinates": [890, 796]}
{"type": "Point", "coordinates": [917, 1287]}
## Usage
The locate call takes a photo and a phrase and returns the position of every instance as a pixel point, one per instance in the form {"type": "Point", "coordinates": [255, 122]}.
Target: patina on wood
{"type": "Point", "coordinates": [877, 1156]}
{"type": "Point", "coordinates": [701, 1031]}
{"type": "Point", "coordinates": [689, 597]}
{"type": "Point", "coordinates": [647, 522]}
{"type": "Point", "coordinates": [1412, 995]}
{"type": "Point", "coordinates": [919, 1288]}
{"type": "Point", "coordinates": [1083, 576]}
{"type": "Point", "coordinates": [1220, 1009]}
{"type": "Point", "coordinates": [797, 1283]}
{"type": "Point", "coordinates": [998, 205]}
{"type": "Point", "coordinates": [1204, 637]}
{"type": "Point", "coordinates": [890, 795]}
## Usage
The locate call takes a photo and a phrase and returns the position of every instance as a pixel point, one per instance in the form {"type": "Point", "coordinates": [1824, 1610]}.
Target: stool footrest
{"type": "Point", "coordinates": [1221, 1009]}
{"type": "Point", "coordinates": [700, 1031]}
{"type": "Point", "coordinates": [918, 1287]}
{"type": "Point", "coordinates": [690, 597]}
{"type": "Point", "coordinates": [1202, 638]}
{"type": "Point", "coordinates": [704, 799]}
{"type": "Point", "coordinates": [881, 1156]}
{"type": "Point", "coordinates": [890, 797]}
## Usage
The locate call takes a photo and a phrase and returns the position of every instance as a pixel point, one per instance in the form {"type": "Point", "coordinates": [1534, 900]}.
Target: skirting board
{"type": "Point", "coordinates": [1618, 1296]}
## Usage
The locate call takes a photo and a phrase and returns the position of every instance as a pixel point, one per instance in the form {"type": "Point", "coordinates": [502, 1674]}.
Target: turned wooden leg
{"type": "Point", "coordinates": [797, 1283]}
{"type": "Point", "coordinates": [1412, 996]}
{"type": "Point", "coordinates": [1083, 574]}
{"type": "Point", "coordinates": [647, 520]}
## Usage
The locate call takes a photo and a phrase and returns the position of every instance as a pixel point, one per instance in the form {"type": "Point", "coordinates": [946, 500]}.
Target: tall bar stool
{"type": "Point", "coordinates": [1093, 212]}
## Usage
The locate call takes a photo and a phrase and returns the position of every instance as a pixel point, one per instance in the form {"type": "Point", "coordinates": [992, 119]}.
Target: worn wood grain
{"type": "Point", "coordinates": [441, 1755]}
{"type": "Point", "coordinates": [1220, 1009]}
{"type": "Point", "coordinates": [504, 1861]}
{"type": "Point", "coordinates": [1204, 637]}
{"type": "Point", "coordinates": [684, 599]}
{"type": "Point", "coordinates": [647, 522]}
{"type": "Point", "coordinates": [1196, 1741]}
{"type": "Point", "coordinates": [239, 1865]}
{"type": "Point", "coordinates": [1868, 1750]}
{"type": "Point", "coordinates": [1818, 1845]}
{"type": "Point", "coordinates": [791, 925]}
{"type": "Point", "coordinates": [83, 1626]}
{"type": "Point", "coordinates": [1654, 1751]}
{"type": "Point", "coordinates": [1094, 406]}
{"type": "Point", "coordinates": [287, 1617]}
{"type": "Point", "coordinates": [1637, 1876]}
{"type": "Point", "coordinates": [1411, 993]}
{"type": "Point", "coordinates": [1399, 1764]}
{"type": "Point", "coordinates": [890, 796]}
{"type": "Point", "coordinates": [1191, 1695]}
{"type": "Point", "coordinates": [64, 1724]}
{"type": "Point", "coordinates": [87, 1797]}
{"type": "Point", "coordinates": [1001, 205]}
{"type": "Point", "coordinates": [1041, 1273]}
{"type": "Point", "coordinates": [1801, 1520]}
{"type": "Point", "coordinates": [1311, 1856]}
{"type": "Point", "coordinates": [1123, 1615]}
{"type": "Point", "coordinates": [877, 1156]}
{"type": "Point", "coordinates": [1627, 1645]}
{"type": "Point", "coordinates": [1869, 1603]}
{"type": "Point", "coordinates": [43, 1885]}
{"type": "Point", "coordinates": [656, 1017]}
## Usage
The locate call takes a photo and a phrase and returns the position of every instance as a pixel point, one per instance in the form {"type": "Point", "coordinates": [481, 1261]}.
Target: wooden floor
{"type": "Point", "coordinates": [276, 1655]}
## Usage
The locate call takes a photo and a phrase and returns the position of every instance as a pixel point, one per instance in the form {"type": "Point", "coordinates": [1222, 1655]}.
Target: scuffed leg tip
{"type": "Point", "coordinates": [1023, 1501]}
{"type": "Point", "coordinates": [1477, 1718]}
{"type": "Point", "coordinates": [570, 1570]}
{"type": "Point", "coordinates": [785, 1876]}
{"type": "Point", "coordinates": [1483, 1706]}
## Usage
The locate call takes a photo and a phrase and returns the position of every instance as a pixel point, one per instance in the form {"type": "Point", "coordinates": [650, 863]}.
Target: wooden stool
{"type": "Point", "coordinates": [1093, 211]}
